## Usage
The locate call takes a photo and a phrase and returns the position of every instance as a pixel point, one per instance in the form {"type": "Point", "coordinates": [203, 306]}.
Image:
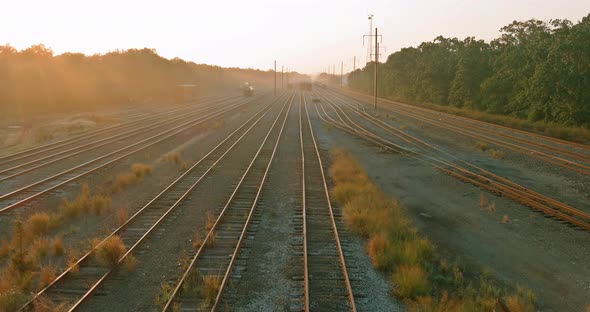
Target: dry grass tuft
{"type": "Point", "coordinates": [211, 285]}
{"type": "Point", "coordinates": [140, 170]}
{"type": "Point", "coordinates": [84, 203]}
{"type": "Point", "coordinates": [130, 263]}
{"type": "Point", "coordinates": [110, 251]}
{"type": "Point", "coordinates": [522, 301]}
{"type": "Point", "coordinates": [38, 224]}
{"type": "Point", "coordinates": [46, 276]}
{"type": "Point", "coordinates": [411, 281]}
{"type": "Point", "coordinates": [211, 241]}
{"type": "Point", "coordinates": [44, 304]}
{"type": "Point", "coordinates": [122, 216]}
{"type": "Point", "coordinates": [57, 248]}
{"type": "Point", "coordinates": [482, 146]}
{"type": "Point", "coordinates": [497, 154]}
{"type": "Point", "coordinates": [505, 219]}
{"type": "Point", "coordinates": [210, 221]}
{"type": "Point", "coordinates": [173, 157]}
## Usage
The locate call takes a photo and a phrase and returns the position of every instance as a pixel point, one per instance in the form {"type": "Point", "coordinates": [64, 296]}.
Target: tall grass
{"type": "Point", "coordinates": [137, 173]}
{"type": "Point", "coordinates": [423, 279]}
{"type": "Point", "coordinates": [109, 252]}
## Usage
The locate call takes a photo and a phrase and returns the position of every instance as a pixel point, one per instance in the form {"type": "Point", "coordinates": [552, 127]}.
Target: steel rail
{"type": "Point", "coordinates": [192, 265]}
{"type": "Point", "coordinates": [326, 192]}
{"type": "Point", "coordinates": [479, 122]}
{"type": "Point", "coordinates": [512, 191]}
{"type": "Point", "coordinates": [158, 138]}
{"type": "Point", "coordinates": [102, 142]}
{"type": "Point", "coordinates": [90, 134]}
{"type": "Point", "coordinates": [248, 125]}
{"type": "Point", "coordinates": [535, 153]}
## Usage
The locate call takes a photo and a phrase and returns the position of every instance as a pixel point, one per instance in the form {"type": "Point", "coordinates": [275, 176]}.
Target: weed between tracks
{"type": "Point", "coordinates": [34, 251]}
{"type": "Point", "coordinates": [424, 280]}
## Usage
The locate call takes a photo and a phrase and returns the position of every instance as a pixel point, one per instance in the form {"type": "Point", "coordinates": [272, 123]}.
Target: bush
{"type": "Point", "coordinates": [130, 263]}
{"type": "Point", "coordinates": [482, 146]}
{"type": "Point", "coordinates": [497, 154]}
{"type": "Point", "coordinates": [211, 285]}
{"type": "Point", "coordinates": [12, 300]}
{"type": "Point", "coordinates": [378, 249]}
{"type": "Point", "coordinates": [410, 281]}
{"type": "Point", "coordinates": [38, 224]}
{"type": "Point", "coordinates": [57, 247]}
{"type": "Point", "coordinates": [140, 170]}
{"type": "Point", "coordinates": [46, 276]}
{"type": "Point", "coordinates": [173, 157]}
{"type": "Point", "coordinates": [122, 216]}
{"type": "Point", "coordinates": [110, 251]}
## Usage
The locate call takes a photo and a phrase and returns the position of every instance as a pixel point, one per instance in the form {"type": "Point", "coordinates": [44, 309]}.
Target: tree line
{"type": "Point", "coordinates": [34, 80]}
{"type": "Point", "coordinates": [535, 70]}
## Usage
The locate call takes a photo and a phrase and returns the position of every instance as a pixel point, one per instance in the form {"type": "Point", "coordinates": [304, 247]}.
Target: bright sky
{"type": "Point", "coordinates": [305, 35]}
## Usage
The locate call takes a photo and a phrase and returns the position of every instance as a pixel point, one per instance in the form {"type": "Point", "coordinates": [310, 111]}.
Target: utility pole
{"type": "Point", "coordinates": [282, 77]}
{"type": "Point", "coordinates": [376, 62]}
{"type": "Point", "coordinates": [341, 74]}
{"type": "Point", "coordinates": [275, 90]}
{"type": "Point", "coordinates": [354, 63]}
{"type": "Point", "coordinates": [370, 48]}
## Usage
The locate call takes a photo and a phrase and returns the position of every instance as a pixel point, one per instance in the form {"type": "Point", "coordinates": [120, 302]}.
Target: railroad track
{"type": "Point", "coordinates": [564, 157]}
{"type": "Point", "coordinates": [215, 258]}
{"type": "Point", "coordinates": [6, 160]}
{"type": "Point", "coordinates": [462, 170]}
{"type": "Point", "coordinates": [17, 198]}
{"type": "Point", "coordinates": [326, 283]}
{"type": "Point", "coordinates": [79, 281]}
{"type": "Point", "coordinates": [111, 141]}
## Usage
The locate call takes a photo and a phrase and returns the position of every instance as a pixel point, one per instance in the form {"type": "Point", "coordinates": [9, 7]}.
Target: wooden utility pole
{"type": "Point", "coordinates": [376, 62]}
{"type": "Point", "coordinates": [354, 63]}
{"type": "Point", "coordinates": [282, 76]}
{"type": "Point", "coordinates": [341, 74]}
{"type": "Point", "coordinates": [275, 90]}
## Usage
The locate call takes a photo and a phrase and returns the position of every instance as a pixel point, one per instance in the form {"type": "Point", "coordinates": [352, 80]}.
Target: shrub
{"type": "Point", "coordinates": [39, 248]}
{"type": "Point", "coordinates": [100, 204]}
{"type": "Point", "coordinates": [57, 247]}
{"type": "Point", "coordinates": [497, 154]}
{"type": "Point", "coordinates": [173, 157]}
{"type": "Point", "coordinates": [46, 276]}
{"type": "Point", "coordinates": [130, 263]}
{"type": "Point", "coordinates": [211, 285]}
{"type": "Point", "coordinates": [38, 224]}
{"type": "Point", "coordinates": [482, 146]}
{"type": "Point", "coordinates": [110, 251]}
{"type": "Point", "coordinates": [124, 180]}
{"type": "Point", "coordinates": [410, 281]}
{"type": "Point", "coordinates": [12, 299]}
{"type": "Point", "coordinates": [44, 304]}
{"type": "Point", "coordinates": [140, 170]}
{"type": "Point", "coordinates": [164, 295]}
{"type": "Point", "coordinates": [122, 216]}
{"type": "Point", "coordinates": [378, 248]}
{"type": "Point", "coordinates": [522, 301]}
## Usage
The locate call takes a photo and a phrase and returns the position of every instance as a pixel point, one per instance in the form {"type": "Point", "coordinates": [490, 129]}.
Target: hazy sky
{"type": "Point", "coordinates": [305, 35]}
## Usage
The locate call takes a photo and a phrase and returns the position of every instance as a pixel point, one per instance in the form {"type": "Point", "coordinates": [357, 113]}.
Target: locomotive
{"type": "Point", "coordinates": [247, 89]}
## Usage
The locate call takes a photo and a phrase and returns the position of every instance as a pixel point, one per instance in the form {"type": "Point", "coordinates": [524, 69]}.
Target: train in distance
{"type": "Point", "coordinates": [247, 89]}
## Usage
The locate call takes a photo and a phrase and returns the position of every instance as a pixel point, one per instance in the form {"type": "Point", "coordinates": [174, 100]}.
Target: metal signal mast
{"type": "Point", "coordinates": [370, 47]}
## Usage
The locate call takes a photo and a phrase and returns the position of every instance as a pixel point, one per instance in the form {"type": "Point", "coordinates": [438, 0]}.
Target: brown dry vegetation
{"type": "Point", "coordinates": [137, 173]}
{"type": "Point", "coordinates": [496, 154]}
{"type": "Point", "coordinates": [110, 251]}
{"type": "Point", "coordinates": [424, 280]}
